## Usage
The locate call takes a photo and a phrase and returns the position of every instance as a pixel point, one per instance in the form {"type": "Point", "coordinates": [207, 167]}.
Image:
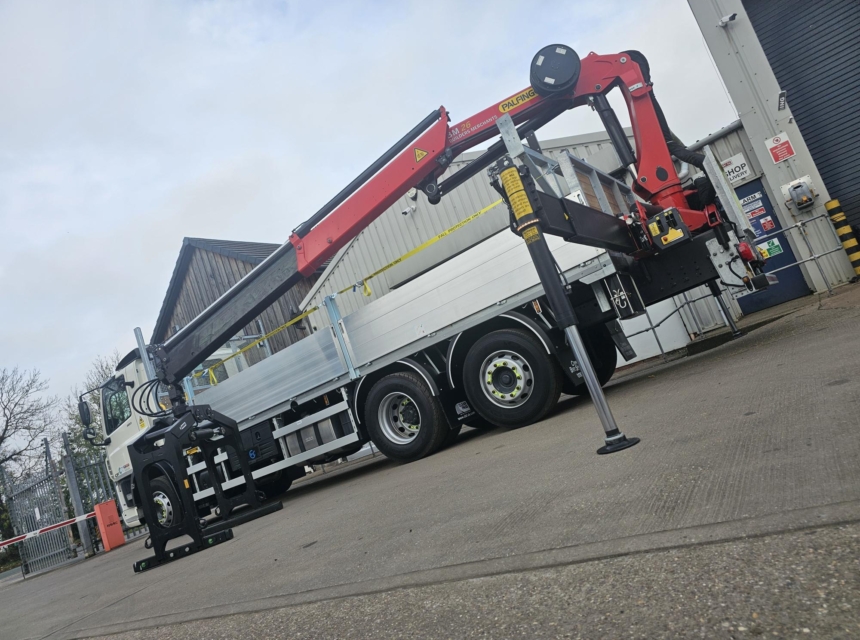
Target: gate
{"type": "Point", "coordinates": [33, 504]}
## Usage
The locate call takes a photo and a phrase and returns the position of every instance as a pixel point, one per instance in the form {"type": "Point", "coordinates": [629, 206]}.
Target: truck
{"type": "Point", "coordinates": [491, 337]}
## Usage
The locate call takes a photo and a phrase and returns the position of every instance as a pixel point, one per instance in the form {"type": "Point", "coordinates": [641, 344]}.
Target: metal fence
{"type": "Point", "coordinates": [34, 503]}
{"type": "Point", "coordinates": [89, 484]}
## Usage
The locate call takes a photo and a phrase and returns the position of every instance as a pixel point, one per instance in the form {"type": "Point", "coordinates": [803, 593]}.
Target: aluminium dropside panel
{"type": "Point", "coordinates": [487, 280]}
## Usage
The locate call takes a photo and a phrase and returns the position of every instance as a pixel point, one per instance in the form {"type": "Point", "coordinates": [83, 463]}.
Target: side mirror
{"type": "Point", "coordinates": [90, 436]}
{"type": "Point", "coordinates": [86, 416]}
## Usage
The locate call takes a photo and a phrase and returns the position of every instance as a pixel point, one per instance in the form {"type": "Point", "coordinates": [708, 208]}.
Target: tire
{"type": "Point", "coordinates": [604, 357]}
{"type": "Point", "coordinates": [404, 419]}
{"type": "Point", "coordinates": [280, 483]}
{"type": "Point", "coordinates": [166, 502]}
{"type": "Point", "coordinates": [510, 379]}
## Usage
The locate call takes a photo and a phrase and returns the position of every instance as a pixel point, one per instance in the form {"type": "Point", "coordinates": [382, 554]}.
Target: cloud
{"type": "Point", "coordinates": [126, 126]}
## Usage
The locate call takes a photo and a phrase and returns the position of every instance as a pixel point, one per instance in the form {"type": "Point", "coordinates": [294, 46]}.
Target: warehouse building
{"type": "Point", "coordinates": [791, 69]}
{"type": "Point", "coordinates": [205, 269]}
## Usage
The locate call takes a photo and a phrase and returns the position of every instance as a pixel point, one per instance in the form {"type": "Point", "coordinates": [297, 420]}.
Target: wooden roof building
{"type": "Point", "coordinates": [205, 269]}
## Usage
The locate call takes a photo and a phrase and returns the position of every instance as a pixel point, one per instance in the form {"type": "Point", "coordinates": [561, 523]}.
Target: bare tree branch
{"type": "Point", "coordinates": [25, 414]}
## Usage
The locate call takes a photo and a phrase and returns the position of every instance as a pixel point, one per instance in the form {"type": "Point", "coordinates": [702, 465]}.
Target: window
{"type": "Point", "coordinates": [116, 406]}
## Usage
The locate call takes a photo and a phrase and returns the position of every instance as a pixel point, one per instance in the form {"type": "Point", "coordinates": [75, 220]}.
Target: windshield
{"type": "Point", "coordinates": [116, 406]}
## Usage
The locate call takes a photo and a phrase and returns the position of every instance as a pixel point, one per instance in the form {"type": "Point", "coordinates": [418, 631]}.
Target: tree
{"type": "Point", "coordinates": [102, 368]}
{"type": "Point", "coordinates": [25, 414]}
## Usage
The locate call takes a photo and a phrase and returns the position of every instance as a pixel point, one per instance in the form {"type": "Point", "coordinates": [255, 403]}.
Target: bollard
{"type": "Point", "coordinates": [109, 525]}
{"type": "Point", "coordinates": [846, 234]}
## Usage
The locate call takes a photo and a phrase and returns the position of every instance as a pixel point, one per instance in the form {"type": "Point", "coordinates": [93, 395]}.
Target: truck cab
{"type": "Point", "coordinates": [120, 425]}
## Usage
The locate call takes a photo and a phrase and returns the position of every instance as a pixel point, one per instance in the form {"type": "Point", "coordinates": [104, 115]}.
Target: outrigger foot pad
{"type": "Point", "coordinates": [617, 443]}
{"type": "Point", "coordinates": [183, 550]}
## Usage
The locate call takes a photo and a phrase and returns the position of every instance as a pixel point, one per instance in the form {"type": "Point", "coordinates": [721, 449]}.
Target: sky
{"type": "Point", "coordinates": [126, 126]}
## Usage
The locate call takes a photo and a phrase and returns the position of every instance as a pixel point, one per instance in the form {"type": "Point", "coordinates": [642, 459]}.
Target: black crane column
{"type": "Point", "coordinates": [518, 189]}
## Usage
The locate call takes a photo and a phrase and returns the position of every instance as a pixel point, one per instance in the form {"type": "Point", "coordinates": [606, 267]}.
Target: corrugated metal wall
{"type": "Point", "coordinates": [814, 51]}
{"type": "Point", "coordinates": [394, 233]}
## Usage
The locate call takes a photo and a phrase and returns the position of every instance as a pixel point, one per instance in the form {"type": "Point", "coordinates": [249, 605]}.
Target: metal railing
{"type": "Point", "coordinates": [800, 225]}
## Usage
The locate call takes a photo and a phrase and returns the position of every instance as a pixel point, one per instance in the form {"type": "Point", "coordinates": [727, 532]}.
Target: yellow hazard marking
{"type": "Point", "coordinates": [531, 234]}
{"type": "Point", "coordinates": [672, 235]}
{"type": "Point", "coordinates": [654, 228]}
{"type": "Point", "coordinates": [838, 217]}
{"type": "Point", "coordinates": [832, 204]}
{"type": "Point", "coordinates": [141, 423]}
{"type": "Point", "coordinates": [843, 230]}
{"type": "Point", "coordinates": [515, 101]}
{"type": "Point", "coordinates": [854, 256]}
{"type": "Point", "coordinates": [420, 154]}
{"type": "Point", "coordinates": [850, 243]}
{"type": "Point", "coordinates": [187, 486]}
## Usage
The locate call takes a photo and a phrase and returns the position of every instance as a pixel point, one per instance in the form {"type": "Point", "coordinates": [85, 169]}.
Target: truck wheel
{"type": "Point", "coordinates": [403, 418]}
{"type": "Point", "coordinates": [510, 379]}
{"type": "Point", "coordinates": [166, 501]}
{"type": "Point", "coordinates": [604, 356]}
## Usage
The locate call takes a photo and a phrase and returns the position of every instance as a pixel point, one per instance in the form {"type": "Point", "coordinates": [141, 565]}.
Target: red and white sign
{"type": "Point", "coordinates": [755, 213]}
{"type": "Point", "coordinates": [780, 147]}
{"type": "Point", "coordinates": [767, 224]}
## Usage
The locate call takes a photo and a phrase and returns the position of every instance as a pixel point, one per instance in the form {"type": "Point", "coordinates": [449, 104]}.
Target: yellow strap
{"type": "Point", "coordinates": [211, 369]}
{"type": "Point", "coordinates": [421, 247]}
{"type": "Point", "coordinates": [362, 284]}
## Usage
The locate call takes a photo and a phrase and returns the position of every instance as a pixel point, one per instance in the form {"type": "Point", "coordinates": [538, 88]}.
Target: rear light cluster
{"type": "Point", "coordinates": [745, 251]}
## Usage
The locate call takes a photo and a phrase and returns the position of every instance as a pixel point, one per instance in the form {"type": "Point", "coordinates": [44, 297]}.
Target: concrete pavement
{"type": "Point", "coordinates": [746, 450]}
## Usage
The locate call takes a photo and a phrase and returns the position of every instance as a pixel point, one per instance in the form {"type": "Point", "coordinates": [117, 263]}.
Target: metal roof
{"type": "Point", "coordinates": [250, 252]}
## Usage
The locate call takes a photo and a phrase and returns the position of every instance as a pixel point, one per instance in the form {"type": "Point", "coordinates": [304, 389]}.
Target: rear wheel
{"type": "Point", "coordinates": [510, 379]}
{"type": "Point", "coordinates": [404, 419]}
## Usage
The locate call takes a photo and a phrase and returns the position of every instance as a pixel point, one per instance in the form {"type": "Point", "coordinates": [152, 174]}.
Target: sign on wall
{"type": "Point", "coordinates": [736, 168]}
{"type": "Point", "coordinates": [780, 147]}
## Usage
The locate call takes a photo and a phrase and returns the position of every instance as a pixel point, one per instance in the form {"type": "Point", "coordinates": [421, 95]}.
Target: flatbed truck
{"type": "Point", "coordinates": [489, 338]}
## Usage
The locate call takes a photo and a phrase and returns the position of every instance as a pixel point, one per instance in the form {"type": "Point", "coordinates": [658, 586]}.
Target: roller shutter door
{"type": "Point", "coordinates": [814, 50]}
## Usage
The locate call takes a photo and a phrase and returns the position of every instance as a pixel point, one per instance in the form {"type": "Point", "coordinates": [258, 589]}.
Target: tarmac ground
{"type": "Point", "coordinates": [738, 515]}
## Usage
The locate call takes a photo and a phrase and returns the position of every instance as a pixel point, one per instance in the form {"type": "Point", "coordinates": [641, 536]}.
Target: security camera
{"type": "Point", "coordinates": [726, 20]}
{"type": "Point", "coordinates": [408, 210]}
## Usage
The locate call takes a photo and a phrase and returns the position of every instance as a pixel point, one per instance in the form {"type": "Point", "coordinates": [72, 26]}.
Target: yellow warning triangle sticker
{"type": "Point", "coordinates": [419, 154]}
